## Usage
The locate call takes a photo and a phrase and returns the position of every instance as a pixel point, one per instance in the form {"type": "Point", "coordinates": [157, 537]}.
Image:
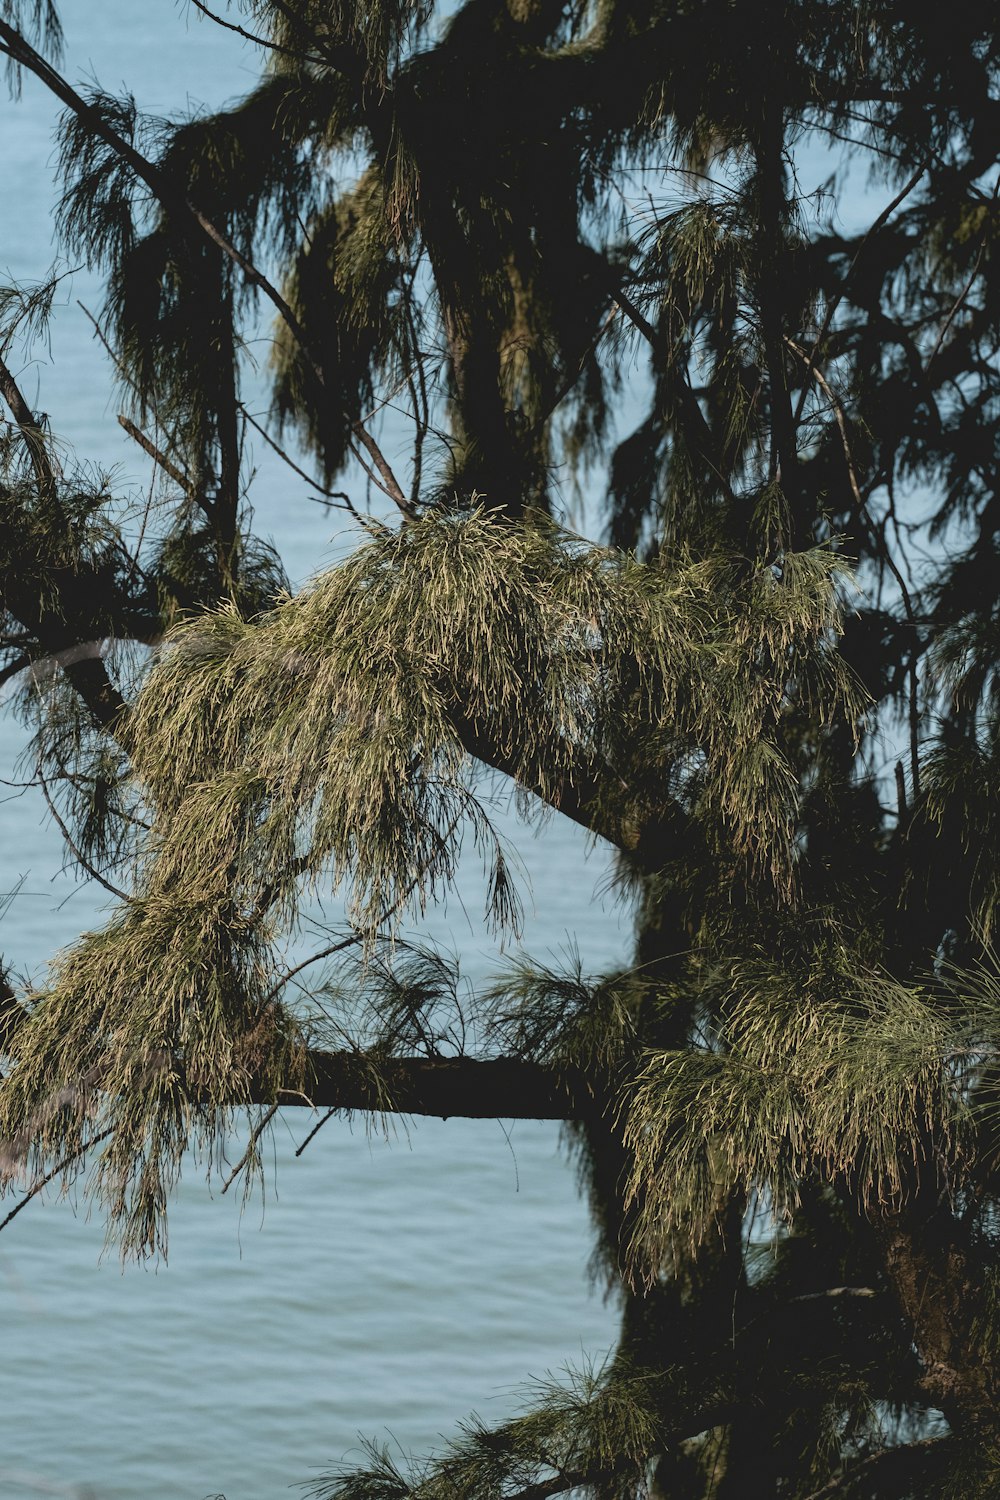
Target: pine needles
{"type": "Point", "coordinates": [323, 742]}
{"type": "Point", "coordinates": [857, 1079]}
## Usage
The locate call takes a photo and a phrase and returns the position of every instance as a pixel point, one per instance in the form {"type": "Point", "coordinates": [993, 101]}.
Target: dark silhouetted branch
{"type": "Point", "coordinates": [466, 1087]}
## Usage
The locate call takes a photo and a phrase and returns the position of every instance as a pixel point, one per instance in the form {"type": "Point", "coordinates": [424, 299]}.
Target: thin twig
{"type": "Point", "coordinates": [836, 1291]}
{"type": "Point", "coordinates": [317, 957]}
{"type": "Point", "coordinates": [330, 496]}
{"type": "Point", "coordinates": [68, 839]}
{"type": "Point", "coordinates": [259, 41]}
{"type": "Point", "coordinates": [887, 1459]}
{"type": "Point", "coordinates": [177, 474]}
{"type": "Point", "coordinates": [689, 400]}
{"type": "Point", "coordinates": [570, 381]}
{"type": "Point", "coordinates": [112, 354]}
{"type": "Point", "coordinates": [315, 1131]}
{"type": "Point", "coordinates": [389, 909]}
{"type": "Point", "coordinates": [251, 1147]}
{"type": "Point", "coordinates": [149, 447]}
{"type": "Point", "coordinates": [872, 229]}
{"type": "Point", "coordinates": [882, 548]}
{"type": "Point", "coordinates": [961, 296]}
{"type": "Point", "coordinates": [61, 1166]}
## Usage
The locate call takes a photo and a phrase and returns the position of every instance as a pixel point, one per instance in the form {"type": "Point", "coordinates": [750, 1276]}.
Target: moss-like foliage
{"type": "Point", "coordinates": [326, 741]}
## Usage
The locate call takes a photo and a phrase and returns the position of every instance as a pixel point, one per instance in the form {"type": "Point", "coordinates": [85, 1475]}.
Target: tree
{"type": "Point", "coordinates": [786, 1112]}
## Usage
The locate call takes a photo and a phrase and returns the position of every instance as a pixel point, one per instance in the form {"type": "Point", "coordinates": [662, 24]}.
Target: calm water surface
{"type": "Point", "coordinates": [387, 1288]}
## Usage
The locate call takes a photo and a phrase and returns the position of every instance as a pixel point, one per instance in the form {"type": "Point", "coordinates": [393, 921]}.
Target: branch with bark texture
{"type": "Point", "coordinates": [464, 1087]}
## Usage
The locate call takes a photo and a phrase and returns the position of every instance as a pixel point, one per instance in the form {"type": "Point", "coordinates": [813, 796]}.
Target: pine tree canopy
{"type": "Point", "coordinates": [578, 253]}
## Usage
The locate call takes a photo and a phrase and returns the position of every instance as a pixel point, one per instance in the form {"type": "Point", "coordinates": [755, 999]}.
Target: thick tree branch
{"type": "Point", "coordinates": [595, 796]}
{"type": "Point", "coordinates": [470, 1088]}
{"type": "Point", "coordinates": [933, 1278]}
{"type": "Point", "coordinates": [579, 799]}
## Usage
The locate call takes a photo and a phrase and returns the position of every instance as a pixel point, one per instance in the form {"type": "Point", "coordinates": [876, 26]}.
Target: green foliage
{"type": "Point", "coordinates": [320, 740]}
{"type": "Point", "coordinates": [343, 288]}
{"type": "Point", "coordinates": [857, 1079]}
{"type": "Point", "coordinates": [597, 1423]}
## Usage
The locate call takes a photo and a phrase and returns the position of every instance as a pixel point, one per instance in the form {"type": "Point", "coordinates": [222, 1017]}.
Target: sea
{"type": "Point", "coordinates": [385, 1286]}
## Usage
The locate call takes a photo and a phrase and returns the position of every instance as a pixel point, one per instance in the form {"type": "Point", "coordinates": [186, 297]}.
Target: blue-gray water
{"type": "Point", "coordinates": [387, 1288]}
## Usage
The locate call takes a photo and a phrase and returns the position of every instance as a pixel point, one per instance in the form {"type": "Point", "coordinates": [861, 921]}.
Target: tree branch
{"type": "Point", "coordinates": [88, 675]}
{"type": "Point", "coordinates": [34, 440]}
{"type": "Point", "coordinates": [339, 499]}
{"type": "Point", "coordinates": [149, 447]}
{"type": "Point", "coordinates": [895, 1467]}
{"type": "Point", "coordinates": [469, 1088]}
{"type": "Point", "coordinates": [258, 41]}
{"type": "Point", "coordinates": [578, 800]}
{"type": "Point", "coordinates": [21, 52]}
{"type": "Point", "coordinates": [688, 401]}
{"type": "Point", "coordinates": [879, 544]}
{"type": "Point", "coordinates": [51, 1175]}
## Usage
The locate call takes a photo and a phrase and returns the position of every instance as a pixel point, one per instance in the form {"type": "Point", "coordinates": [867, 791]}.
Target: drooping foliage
{"type": "Point", "coordinates": [723, 275]}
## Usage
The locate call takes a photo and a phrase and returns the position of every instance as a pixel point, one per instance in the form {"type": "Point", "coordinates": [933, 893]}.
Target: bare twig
{"type": "Point", "coordinates": [688, 399]}
{"type": "Point", "coordinates": [967, 288]}
{"type": "Point", "coordinates": [76, 852]}
{"type": "Point", "coordinates": [881, 546]}
{"type": "Point", "coordinates": [176, 473]}
{"type": "Point", "coordinates": [339, 497]}
{"type": "Point", "coordinates": [836, 1291]}
{"type": "Point", "coordinates": [915, 1454]}
{"type": "Point", "coordinates": [259, 41]}
{"type": "Point", "coordinates": [389, 910]}
{"type": "Point", "coordinates": [872, 229]}
{"type": "Point", "coordinates": [315, 1131]}
{"type": "Point", "coordinates": [563, 390]}
{"type": "Point", "coordinates": [251, 1147]}
{"type": "Point", "coordinates": [158, 457]}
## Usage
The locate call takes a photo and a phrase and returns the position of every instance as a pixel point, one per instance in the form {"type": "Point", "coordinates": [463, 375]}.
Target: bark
{"type": "Point", "coordinates": [474, 1089]}
{"type": "Point", "coordinates": [938, 1292]}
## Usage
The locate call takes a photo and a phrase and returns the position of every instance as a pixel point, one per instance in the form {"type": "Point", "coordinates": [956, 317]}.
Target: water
{"type": "Point", "coordinates": [388, 1288]}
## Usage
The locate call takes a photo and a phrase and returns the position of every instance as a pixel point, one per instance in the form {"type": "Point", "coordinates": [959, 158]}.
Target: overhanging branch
{"type": "Point", "coordinates": [466, 1087]}
{"type": "Point", "coordinates": [579, 799]}
{"type": "Point", "coordinates": [596, 797]}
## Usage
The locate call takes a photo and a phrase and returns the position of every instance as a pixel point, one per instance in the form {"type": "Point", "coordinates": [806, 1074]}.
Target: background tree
{"type": "Point", "coordinates": [785, 1113]}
